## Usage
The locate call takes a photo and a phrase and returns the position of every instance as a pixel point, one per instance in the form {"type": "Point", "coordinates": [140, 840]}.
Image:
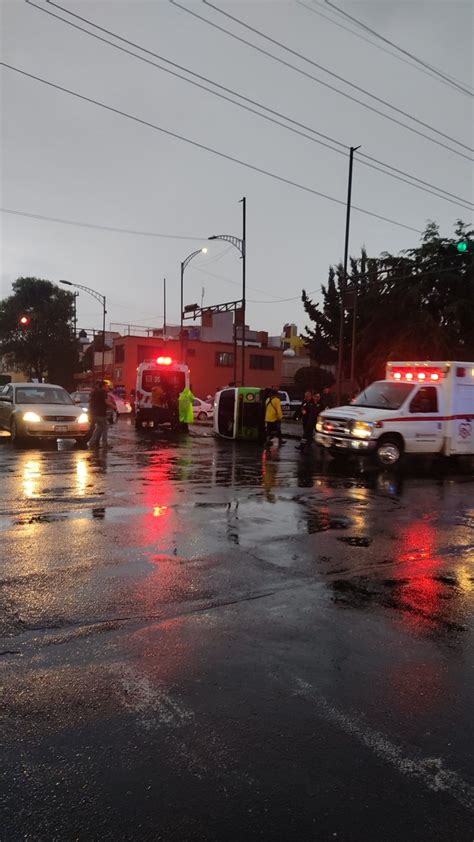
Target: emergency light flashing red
{"type": "Point", "coordinates": [421, 376]}
{"type": "Point", "coordinates": [164, 360]}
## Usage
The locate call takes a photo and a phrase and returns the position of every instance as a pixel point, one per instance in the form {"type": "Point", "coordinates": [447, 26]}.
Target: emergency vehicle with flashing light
{"type": "Point", "coordinates": [159, 383]}
{"type": "Point", "coordinates": [420, 407]}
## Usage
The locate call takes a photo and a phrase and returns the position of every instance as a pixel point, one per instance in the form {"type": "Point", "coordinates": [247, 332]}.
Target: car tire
{"type": "Point", "coordinates": [202, 416]}
{"type": "Point", "coordinates": [17, 439]}
{"type": "Point", "coordinates": [389, 451]}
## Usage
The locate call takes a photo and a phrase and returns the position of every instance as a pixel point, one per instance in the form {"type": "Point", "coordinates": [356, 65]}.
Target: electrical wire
{"type": "Point", "coordinates": [342, 151]}
{"type": "Point", "coordinates": [310, 61]}
{"type": "Point", "coordinates": [454, 82]}
{"type": "Point", "coordinates": [308, 75]}
{"type": "Point", "coordinates": [204, 147]}
{"type": "Point", "coordinates": [234, 283]}
{"type": "Point", "coordinates": [81, 224]}
{"type": "Point", "coordinates": [318, 11]}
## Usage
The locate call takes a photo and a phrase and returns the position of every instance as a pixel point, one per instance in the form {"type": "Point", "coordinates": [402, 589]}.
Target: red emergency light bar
{"type": "Point", "coordinates": [164, 360]}
{"type": "Point", "coordinates": [413, 375]}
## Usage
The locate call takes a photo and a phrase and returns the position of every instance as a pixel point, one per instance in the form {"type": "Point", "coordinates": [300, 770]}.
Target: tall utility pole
{"type": "Point", "coordinates": [74, 314]}
{"type": "Point", "coordinates": [164, 308]}
{"type": "Point", "coordinates": [340, 358]}
{"type": "Point", "coordinates": [244, 280]}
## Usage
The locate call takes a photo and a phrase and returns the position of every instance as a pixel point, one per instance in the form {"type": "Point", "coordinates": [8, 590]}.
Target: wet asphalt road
{"type": "Point", "coordinates": [200, 641]}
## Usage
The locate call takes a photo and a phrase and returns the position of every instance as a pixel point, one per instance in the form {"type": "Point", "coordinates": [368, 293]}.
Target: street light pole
{"type": "Point", "coordinates": [244, 267]}
{"type": "Point", "coordinates": [340, 359]}
{"type": "Point", "coordinates": [241, 245]}
{"type": "Point", "coordinates": [99, 297]}
{"type": "Point", "coordinates": [184, 263]}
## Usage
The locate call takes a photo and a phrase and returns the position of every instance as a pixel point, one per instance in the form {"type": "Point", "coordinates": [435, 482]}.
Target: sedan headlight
{"type": "Point", "coordinates": [31, 417]}
{"type": "Point", "coordinates": [361, 429]}
{"type": "Point", "coordinates": [319, 426]}
{"type": "Point", "coordinates": [83, 418]}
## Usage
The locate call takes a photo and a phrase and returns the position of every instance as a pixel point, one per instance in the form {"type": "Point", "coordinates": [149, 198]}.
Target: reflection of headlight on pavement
{"type": "Point", "coordinates": [31, 417]}
{"type": "Point", "coordinates": [83, 418]}
{"type": "Point", "coordinates": [361, 430]}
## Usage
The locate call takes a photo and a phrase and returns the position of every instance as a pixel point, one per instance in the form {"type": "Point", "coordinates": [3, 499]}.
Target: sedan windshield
{"type": "Point", "coordinates": [384, 395]}
{"type": "Point", "coordinates": [36, 394]}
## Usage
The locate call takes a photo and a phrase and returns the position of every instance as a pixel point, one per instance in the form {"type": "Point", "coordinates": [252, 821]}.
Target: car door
{"type": "Point", "coordinates": [6, 406]}
{"type": "Point", "coordinates": [425, 434]}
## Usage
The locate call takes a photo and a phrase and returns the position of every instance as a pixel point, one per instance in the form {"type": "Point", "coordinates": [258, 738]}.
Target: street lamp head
{"type": "Point", "coordinates": [66, 282]}
{"type": "Point", "coordinates": [213, 237]}
{"type": "Point", "coordinates": [204, 250]}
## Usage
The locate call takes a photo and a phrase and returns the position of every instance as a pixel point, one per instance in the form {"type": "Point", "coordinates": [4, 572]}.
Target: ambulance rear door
{"type": "Point", "coordinates": [462, 421]}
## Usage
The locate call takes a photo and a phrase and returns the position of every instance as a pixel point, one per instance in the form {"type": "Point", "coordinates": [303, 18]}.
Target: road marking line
{"type": "Point", "coordinates": [430, 770]}
{"type": "Point", "coordinates": [152, 703]}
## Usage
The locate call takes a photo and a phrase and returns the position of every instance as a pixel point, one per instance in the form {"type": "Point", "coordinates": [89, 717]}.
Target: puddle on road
{"type": "Point", "coordinates": [428, 602]}
{"type": "Point", "coordinates": [355, 541]}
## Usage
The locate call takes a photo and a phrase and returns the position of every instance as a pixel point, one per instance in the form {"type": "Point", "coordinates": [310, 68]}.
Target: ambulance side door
{"type": "Point", "coordinates": [425, 428]}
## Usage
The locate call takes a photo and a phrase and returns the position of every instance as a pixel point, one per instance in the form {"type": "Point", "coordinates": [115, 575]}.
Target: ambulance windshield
{"type": "Point", "coordinates": [383, 395]}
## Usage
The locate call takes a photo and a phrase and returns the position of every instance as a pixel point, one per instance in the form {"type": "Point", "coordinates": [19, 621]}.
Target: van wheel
{"type": "Point", "coordinates": [389, 451]}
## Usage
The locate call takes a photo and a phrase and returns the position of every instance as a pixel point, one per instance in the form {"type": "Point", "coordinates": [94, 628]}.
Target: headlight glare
{"type": "Point", "coordinates": [361, 429]}
{"type": "Point", "coordinates": [31, 417]}
{"type": "Point", "coordinates": [83, 418]}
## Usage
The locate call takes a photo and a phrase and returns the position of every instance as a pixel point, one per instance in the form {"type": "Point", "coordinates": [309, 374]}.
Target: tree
{"type": "Point", "coordinates": [417, 305]}
{"type": "Point", "coordinates": [44, 345]}
{"type": "Point", "coordinates": [314, 378]}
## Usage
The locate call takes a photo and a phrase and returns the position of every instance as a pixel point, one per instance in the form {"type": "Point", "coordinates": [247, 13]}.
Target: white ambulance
{"type": "Point", "coordinates": [159, 383]}
{"type": "Point", "coordinates": [420, 407]}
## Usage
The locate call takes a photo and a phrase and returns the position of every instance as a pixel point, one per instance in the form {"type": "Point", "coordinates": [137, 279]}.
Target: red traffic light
{"type": "Point", "coordinates": [24, 320]}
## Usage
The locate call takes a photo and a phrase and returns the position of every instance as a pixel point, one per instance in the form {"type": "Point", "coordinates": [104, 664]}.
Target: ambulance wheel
{"type": "Point", "coordinates": [389, 451]}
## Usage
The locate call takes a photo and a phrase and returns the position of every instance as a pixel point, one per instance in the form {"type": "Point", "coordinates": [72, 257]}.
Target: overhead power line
{"type": "Point", "coordinates": [299, 55]}
{"type": "Point", "coordinates": [210, 149]}
{"type": "Point", "coordinates": [308, 75]}
{"type": "Point", "coordinates": [317, 9]}
{"type": "Point", "coordinates": [418, 183]}
{"type": "Point", "coordinates": [81, 224]}
{"type": "Point", "coordinates": [446, 77]}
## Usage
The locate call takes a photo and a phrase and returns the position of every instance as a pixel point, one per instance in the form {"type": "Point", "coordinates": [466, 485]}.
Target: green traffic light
{"type": "Point", "coordinates": [462, 246]}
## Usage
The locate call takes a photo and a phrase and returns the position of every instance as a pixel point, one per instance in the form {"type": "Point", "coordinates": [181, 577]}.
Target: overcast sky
{"type": "Point", "coordinates": [63, 157]}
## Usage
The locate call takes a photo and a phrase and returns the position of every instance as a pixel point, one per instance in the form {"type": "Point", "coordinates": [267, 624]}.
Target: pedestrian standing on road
{"type": "Point", "coordinates": [273, 418]}
{"type": "Point", "coordinates": [309, 414]}
{"type": "Point", "coordinates": [185, 408]}
{"type": "Point", "coordinates": [98, 405]}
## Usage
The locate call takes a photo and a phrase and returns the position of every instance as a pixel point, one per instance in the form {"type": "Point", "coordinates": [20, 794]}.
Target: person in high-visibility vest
{"type": "Point", "coordinates": [185, 408]}
{"type": "Point", "coordinates": [273, 417]}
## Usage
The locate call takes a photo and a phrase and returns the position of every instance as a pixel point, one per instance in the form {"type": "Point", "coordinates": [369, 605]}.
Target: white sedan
{"type": "Point", "coordinates": [203, 411]}
{"type": "Point", "coordinates": [41, 411]}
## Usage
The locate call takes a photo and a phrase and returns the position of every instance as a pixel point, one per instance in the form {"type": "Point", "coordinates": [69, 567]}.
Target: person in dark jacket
{"type": "Point", "coordinates": [98, 404]}
{"type": "Point", "coordinates": [309, 414]}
